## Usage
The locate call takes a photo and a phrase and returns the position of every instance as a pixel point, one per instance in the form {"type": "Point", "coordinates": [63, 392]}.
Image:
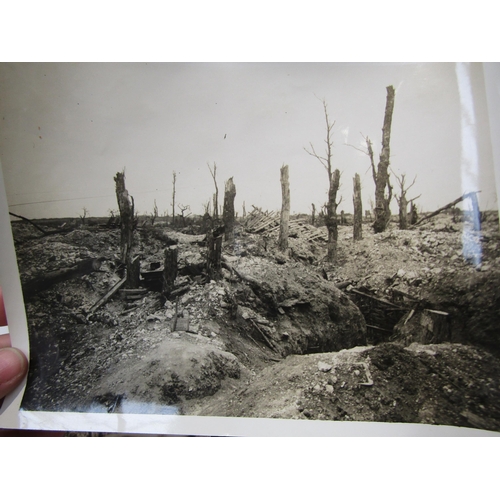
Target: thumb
{"type": "Point", "coordinates": [13, 368]}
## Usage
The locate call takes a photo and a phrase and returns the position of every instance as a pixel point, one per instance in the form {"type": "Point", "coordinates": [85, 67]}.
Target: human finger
{"type": "Point", "coordinates": [13, 368]}
{"type": "Point", "coordinates": [5, 341]}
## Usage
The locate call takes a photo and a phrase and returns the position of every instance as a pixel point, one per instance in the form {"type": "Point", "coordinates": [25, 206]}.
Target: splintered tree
{"type": "Point", "coordinates": [126, 206]}
{"type": "Point", "coordinates": [174, 179]}
{"type": "Point", "coordinates": [154, 214]}
{"type": "Point", "coordinates": [334, 183]}
{"type": "Point", "coordinates": [228, 211]}
{"type": "Point", "coordinates": [403, 202]}
{"type": "Point", "coordinates": [285, 209]}
{"type": "Point", "coordinates": [383, 188]}
{"type": "Point", "coordinates": [213, 173]}
{"type": "Point", "coordinates": [358, 209]}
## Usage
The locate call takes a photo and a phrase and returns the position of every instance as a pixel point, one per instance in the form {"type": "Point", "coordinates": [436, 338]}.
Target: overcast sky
{"type": "Point", "coordinates": [67, 128]}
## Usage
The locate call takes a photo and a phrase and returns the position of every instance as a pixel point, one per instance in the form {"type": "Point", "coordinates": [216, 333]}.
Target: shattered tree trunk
{"type": "Point", "coordinates": [215, 197]}
{"type": "Point", "coordinates": [169, 270]}
{"type": "Point", "coordinates": [228, 212]}
{"type": "Point", "coordinates": [126, 206]}
{"type": "Point", "coordinates": [331, 216]}
{"type": "Point", "coordinates": [358, 209]}
{"type": "Point", "coordinates": [403, 211]}
{"type": "Point", "coordinates": [382, 202]}
{"type": "Point", "coordinates": [174, 179]}
{"type": "Point", "coordinates": [313, 219]}
{"type": "Point", "coordinates": [285, 209]}
{"type": "Point", "coordinates": [446, 207]}
{"type": "Point", "coordinates": [214, 252]}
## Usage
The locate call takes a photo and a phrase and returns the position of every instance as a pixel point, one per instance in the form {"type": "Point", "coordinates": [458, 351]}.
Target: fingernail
{"type": "Point", "coordinates": [12, 364]}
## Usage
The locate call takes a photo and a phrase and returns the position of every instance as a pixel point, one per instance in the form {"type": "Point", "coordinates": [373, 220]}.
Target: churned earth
{"type": "Point", "coordinates": [278, 335]}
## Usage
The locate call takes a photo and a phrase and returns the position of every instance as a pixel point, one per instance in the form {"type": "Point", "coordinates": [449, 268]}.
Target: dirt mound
{"type": "Point", "coordinates": [177, 369]}
{"type": "Point", "coordinates": [310, 314]}
{"type": "Point", "coordinates": [446, 384]}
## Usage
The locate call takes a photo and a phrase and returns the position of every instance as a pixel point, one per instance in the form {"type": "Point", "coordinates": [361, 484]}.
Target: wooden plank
{"type": "Point", "coordinates": [266, 224]}
{"type": "Point", "coordinates": [108, 295]}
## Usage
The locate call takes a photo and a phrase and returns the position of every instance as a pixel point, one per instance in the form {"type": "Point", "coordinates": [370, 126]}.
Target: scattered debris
{"type": "Point", "coordinates": [409, 333]}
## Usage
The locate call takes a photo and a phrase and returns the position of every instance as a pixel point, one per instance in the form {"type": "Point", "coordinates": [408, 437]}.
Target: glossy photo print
{"type": "Point", "coordinates": [305, 244]}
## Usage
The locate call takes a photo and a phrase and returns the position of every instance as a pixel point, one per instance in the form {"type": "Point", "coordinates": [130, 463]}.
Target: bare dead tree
{"type": "Point", "coordinates": [402, 200]}
{"type": "Point", "coordinates": [244, 210]}
{"type": "Point", "coordinates": [228, 212]}
{"type": "Point", "coordinates": [213, 173]}
{"type": "Point", "coordinates": [334, 183]}
{"type": "Point", "coordinates": [285, 209]}
{"type": "Point", "coordinates": [174, 179]}
{"type": "Point", "coordinates": [84, 215]}
{"type": "Point", "coordinates": [183, 208]}
{"type": "Point", "coordinates": [358, 209]}
{"type": "Point", "coordinates": [313, 218]}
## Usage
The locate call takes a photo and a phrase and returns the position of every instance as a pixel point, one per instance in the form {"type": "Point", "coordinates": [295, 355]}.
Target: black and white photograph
{"type": "Point", "coordinates": [290, 241]}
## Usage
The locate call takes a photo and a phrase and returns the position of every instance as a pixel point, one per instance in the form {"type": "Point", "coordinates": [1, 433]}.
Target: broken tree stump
{"type": "Point", "coordinates": [214, 253]}
{"type": "Point", "coordinates": [228, 212]}
{"type": "Point", "coordinates": [358, 210]}
{"type": "Point", "coordinates": [285, 209]}
{"type": "Point", "coordinates": [169, 270]}
{"type": "Point", "coordinates": [126, 206]}
{"type": "Point", "coordinates": [134, 273]}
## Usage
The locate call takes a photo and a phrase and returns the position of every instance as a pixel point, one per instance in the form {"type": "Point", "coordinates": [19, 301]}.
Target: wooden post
{"type": "Point", "coordinates": [126, 206]}
{"type": "Point", "coordinates": [228, 212]}
{"type": "Point", "coordinates": [285, 209]}
{"type": "Point", "coordinates": [358, 209]}
{"type": "Point", "coordinates": [169, 270]}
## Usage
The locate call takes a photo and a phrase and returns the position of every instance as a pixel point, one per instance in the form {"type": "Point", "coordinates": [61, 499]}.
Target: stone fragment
{"type": "Point", "coordinates": [324, 367]}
